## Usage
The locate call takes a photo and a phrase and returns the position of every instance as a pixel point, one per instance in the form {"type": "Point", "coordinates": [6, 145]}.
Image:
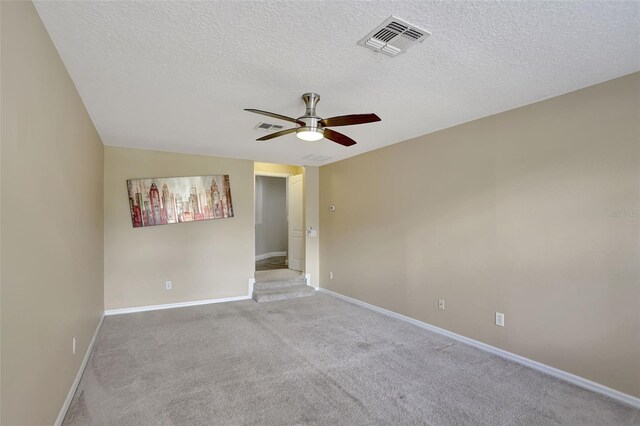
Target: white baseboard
{"type": "Point", "coordinates": [560, 374]}
{"type": "Point", "coordinates": [76, 381]}
{"type": "Point", "coordinates": [252, 283]}
{"type": "Point", "coordinates": [307, 278]}
{"type": "Point", "coordinates": [173, 305]}
{"type": "Point", "coordinates": [270, 254]}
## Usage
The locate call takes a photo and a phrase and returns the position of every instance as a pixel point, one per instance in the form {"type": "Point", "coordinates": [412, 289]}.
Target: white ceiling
{"type": "Point", "coordinates": [176, 76]}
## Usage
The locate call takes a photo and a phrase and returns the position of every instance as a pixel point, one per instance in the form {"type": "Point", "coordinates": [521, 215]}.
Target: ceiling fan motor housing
{"type": "Point", "coordinates": [311, 100]}
{"type": "Point", "coordinates": [310, 119]}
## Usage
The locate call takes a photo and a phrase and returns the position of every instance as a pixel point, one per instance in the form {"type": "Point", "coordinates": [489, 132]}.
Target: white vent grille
{"type": "Point", "coordinates": [393, 36]}
{"type": "Point", "coordinates": [316, 158]}
{"type": "Point", "coordinates": [268, 127]}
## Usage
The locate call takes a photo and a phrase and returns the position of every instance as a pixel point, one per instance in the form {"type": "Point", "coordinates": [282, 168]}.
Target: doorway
{"type": "Point", "coordinates": [279, 220]}
{"type": "Point", "coordinates": [271, 223]}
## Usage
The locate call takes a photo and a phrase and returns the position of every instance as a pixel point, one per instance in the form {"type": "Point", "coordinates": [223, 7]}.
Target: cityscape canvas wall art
{"type": "Point", "coordinates": [159, 201]}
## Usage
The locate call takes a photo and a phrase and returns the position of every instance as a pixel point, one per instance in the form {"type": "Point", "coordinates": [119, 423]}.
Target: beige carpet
{"type": "Point", "coordinates": [276, 262]}
{"type": "Point", "coordinates": [281, 284]}
{"type": "Point", "coordinates": [277, 274]}
{"type": "Point", "coordinates": [316, 360]}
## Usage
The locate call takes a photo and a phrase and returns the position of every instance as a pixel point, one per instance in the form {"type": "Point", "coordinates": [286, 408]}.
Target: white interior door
{"type": "Point", "coordinates": [296, 223]}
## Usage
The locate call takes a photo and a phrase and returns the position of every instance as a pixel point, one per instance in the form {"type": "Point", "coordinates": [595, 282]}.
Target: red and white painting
{"type": "Point", "coordinates": [160, 201]}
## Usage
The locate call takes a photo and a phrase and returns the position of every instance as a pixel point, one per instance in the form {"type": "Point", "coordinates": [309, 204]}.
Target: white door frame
{"type": "Point", "coordinates": [296, 257]}
{"type": "Point", "coordinates": [272, 174]}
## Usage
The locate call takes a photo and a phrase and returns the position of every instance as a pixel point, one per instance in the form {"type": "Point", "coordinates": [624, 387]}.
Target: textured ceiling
{"type": "Point", "coordinates": [176, 76]}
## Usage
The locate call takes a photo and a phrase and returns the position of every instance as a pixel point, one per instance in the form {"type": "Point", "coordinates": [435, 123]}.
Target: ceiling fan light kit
{"type": "Point", "coordinates": [313, 128]}
{"type": "Point", "coordinates": [308, 134]}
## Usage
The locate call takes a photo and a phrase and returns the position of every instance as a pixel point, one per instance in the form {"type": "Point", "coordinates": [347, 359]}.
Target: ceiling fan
{"type": "Point", "coordinates": [313, 128]}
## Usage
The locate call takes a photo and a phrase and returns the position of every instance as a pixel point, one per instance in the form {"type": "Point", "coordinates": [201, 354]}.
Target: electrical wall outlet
{"type": "Point", "coordinates": [168, 285]}
{"type": "Point", "coordinates": [330, 275]}
{"type": "Point", "coordinates": [73, 345]}
{"type": "Point", "coordinates": [499, 319]}
{"type": "Point", "coordinates": [441, 304]}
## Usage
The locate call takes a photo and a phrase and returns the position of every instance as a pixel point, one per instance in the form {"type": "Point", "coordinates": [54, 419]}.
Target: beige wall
{"type": "Point", "coordinates": [277, 168]}
{"type": "Point", "coordinates": [204, 260]}
{"type": "Point", "coordinates": [312, 219]}
{"type": "Point", "coordinates": [0, 218]}
{"type": "Point", "coordinates": [52, 248]}
{"type": "Point", "coordinates": [505, 214]}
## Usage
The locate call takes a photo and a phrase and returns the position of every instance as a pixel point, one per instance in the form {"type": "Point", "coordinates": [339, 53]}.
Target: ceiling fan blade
{"type": "Point", "coordinates": [276, 134]}
{"type": "Point", "coordinates": [274, 115]}
{"type": "Point", "coordinates": [338, 137]}
{"type": "Point", "coordinates": [348, 120]}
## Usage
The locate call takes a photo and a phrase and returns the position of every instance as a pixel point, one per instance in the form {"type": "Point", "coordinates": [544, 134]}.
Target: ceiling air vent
{"type": "Point", "coordinates": [267, 127]}
{"type": "Point", "coordinates": [316, 158]}
{"type": "Point", "coordinates": [394, 36]}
